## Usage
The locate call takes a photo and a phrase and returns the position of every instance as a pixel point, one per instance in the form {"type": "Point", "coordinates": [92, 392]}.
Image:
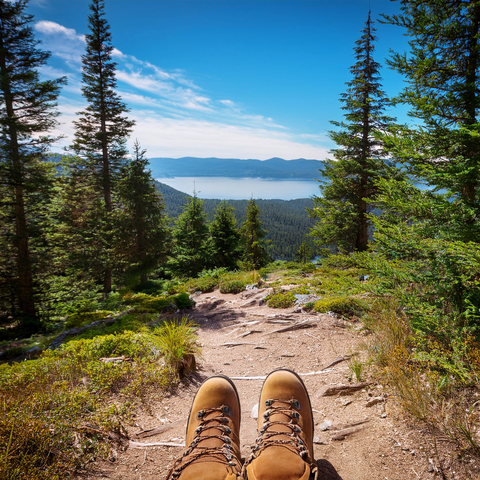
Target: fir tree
{"type": "Point", "coordinates": [255, 253]}
{"type": "Point", "coordinates": [190, 249]}
{"type": "Point", "coordinates": [342, 209]}
{"type": "Point", "coordinates": [225, 237]}
{"type": "Point", "coordinates": [27, 113]}
{"type": "Point", "coordinates": [103, 128]}
{"type": "Point", "coordinates": [443, 90]}
{"type": "Point", "coordinates": [304, 253]}
{"type": "Point", "coordinates": [144, 234]}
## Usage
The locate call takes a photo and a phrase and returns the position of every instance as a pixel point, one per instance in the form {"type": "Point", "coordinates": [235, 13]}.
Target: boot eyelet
{"type": "Point", "coordinates": [295, 414]}
{"type": "Point", "coordinates": [226, 439]}
{"type": "Point", "coordinates": [296, 404]}
{"type": "Point", "coordinates": [227, 430]}
{"type": "Point", "coordinates": [201, 413]}
{"type": "Point", "coordinates": [228, 447]}
{"type": "Point", "coordinates": [266, 414]}
{"type": "Point", "coordinates": [226, 410]}
{"type": "Point", "coordinates": [232, 464]}
{"type": "Point", "coordinates": [198, 430]}
{"type": "Point", "coordinates": [269, 402]}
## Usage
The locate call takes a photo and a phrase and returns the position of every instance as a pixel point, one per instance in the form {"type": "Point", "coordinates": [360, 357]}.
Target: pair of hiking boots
{"type": "Point", "coordinates": [283, 449]}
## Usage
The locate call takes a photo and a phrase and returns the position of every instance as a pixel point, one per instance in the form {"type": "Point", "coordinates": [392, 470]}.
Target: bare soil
{"type": "Point", "coordinates": [388, 445]}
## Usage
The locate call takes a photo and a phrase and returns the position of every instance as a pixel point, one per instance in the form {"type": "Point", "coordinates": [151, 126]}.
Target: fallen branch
{"type": "Point", "coordinates": [116, 359]}
{"type": "Point", "coordinates": [263, 377]}
{"type": "Point", "coordinates": [337, 360]}
{"type": "Point", "coordinates": [157, 430]}
{"type": "Point", "coordinates": [249, 332]}
{"type": "Point", "coordinates": [296, 326]}
{"type": "Point", "coordinates": [133, 444]}
{"type": "Point", "coordinates": [233, 344]}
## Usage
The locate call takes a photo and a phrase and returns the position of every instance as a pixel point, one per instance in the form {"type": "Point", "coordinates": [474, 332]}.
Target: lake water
{"type": "Point", "coordinates": [227, 188]}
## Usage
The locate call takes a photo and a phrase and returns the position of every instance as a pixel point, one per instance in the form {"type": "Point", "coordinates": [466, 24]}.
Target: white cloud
{"type": "Point", "coordinates": [174, 116]}
{"type": "Point", "coordinates": [51, 28]}
{"type": "Point", "coordinates": [227, 103]}
{"type": "Point", "coordinates": [166, 137]}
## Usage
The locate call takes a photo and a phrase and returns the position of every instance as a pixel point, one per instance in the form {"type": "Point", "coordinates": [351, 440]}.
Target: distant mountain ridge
{"type": "Point", "coordinates": [277, 168]}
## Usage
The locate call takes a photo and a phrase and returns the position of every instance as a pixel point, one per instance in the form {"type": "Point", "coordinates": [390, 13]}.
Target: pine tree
{"type": "Point", "coordinates": [304, 253]}
{"type": "Point", "coordinates": [190, 250]}
{"type": "Point", "coordinates": [343, 207]}
{"type": "Point", "coordinates": [27, 114]}
{"type": "Point", "coordinates": [103, 128]}
{"type": "Point", "coordinates": [255, 253]}
{"type": "Point", "coordinates": [443, 90]}
{"type": "Point", "coordinates": [225, 237]}
{"type": "Point", "coordinates": [144, 234]}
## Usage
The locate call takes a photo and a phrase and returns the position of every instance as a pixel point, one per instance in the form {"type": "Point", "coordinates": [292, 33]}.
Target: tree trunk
{"type": "Point", "coordinates": [26, 299]}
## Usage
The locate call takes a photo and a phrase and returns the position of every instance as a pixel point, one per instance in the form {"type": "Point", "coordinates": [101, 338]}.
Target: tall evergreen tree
{"type": "Point", "coordinates": [342, 208]}
{"type": "Point", "coordinates": [103, 128]}
{"type": "Point", "coordinates": [255, 253]}
{"type": "Point", "coordinates": [27, 114]}
{"type": "Point", "coordinates": [225, 237]}
{"type": "Point", "coordinates": [144, 237]}
{"type": "Point", "coordinates": [443, 90]}
{"type": "Point", "coordinates": [190, 249]}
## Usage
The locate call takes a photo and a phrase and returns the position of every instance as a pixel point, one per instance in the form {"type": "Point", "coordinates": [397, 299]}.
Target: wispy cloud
{"type": "Point", "coordinates": [175, 117]}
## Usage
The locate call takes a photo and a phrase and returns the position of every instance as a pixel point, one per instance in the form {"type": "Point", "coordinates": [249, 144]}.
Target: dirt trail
{"type": "Point", "coordinates": [384, 447]}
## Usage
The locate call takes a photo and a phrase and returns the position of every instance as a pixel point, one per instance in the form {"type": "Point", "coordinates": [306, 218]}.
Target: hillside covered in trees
{"type": "Point", "coordinates": [286, 221]}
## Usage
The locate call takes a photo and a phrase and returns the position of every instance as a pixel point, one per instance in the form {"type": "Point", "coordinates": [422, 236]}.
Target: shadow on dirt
{"type": "Point", "coordinates": [217, 319]}
{"type": "Point", "coordinates": [326, 471]}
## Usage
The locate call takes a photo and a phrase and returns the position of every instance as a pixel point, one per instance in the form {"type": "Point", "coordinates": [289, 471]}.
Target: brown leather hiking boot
{"type": "Point", "coordinates": [212, 438]}
{"type": "Point", "coordinates": [284, 446]}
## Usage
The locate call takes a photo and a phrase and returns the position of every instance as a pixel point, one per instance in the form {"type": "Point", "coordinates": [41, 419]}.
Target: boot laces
{"type": "Point", "coordinates": [269, 436]}
{"type": "Point", "coordinates": [210, 427]}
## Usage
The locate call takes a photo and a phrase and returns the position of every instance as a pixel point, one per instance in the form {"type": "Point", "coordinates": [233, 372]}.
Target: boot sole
{"type": "Point", "coordinates": [236, 394]}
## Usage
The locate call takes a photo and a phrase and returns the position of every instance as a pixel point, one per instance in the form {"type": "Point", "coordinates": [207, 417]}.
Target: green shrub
{"type": "Point", "coordinates": [155, 304]}
{"type": "Point", "coordinates": [178, 339]}
{"type": "Point", "coordinates": [281, 300]}
{"type": "Point", "coordinates": [301, 290]}
{"type": "Point", "coordinates": [308, 268]}
{"type": "Point", "coordinates": [80, 319]}
{"type": "Point", "coordinates": [183, 301]}
{"type": "Point", "coordinates": [135, 298]}
{"type": "Point", "coordinates": [346, 306]}
{"type": "Point", "coordinates": [203, 284]}
{"type": "Point", "coordinates": [232, 286]}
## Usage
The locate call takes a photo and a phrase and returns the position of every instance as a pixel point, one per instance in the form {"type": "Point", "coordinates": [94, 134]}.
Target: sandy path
{"type": "Point", "coordinates": [386, 447]}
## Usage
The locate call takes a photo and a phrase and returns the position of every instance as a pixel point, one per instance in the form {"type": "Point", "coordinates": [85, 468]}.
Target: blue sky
{"type": "Point", "coordinates": [222, 78]}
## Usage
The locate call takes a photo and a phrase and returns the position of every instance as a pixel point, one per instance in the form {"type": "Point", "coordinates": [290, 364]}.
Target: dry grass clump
{"type": "Point", "coordinates": [430, 393]}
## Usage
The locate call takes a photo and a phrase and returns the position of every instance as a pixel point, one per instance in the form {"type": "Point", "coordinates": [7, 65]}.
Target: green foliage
{"type": "Point", "coordinates": [225, 238]}
{"type": "Point", "coordinates": [304, 253]}
{"type": "Point", "coordinates": [177, 341]}
{"type": "Point", "coordinates": [341, 210]}
{"type": "Point", "coordinates": [286, 221]}
{"type": "Point", "coordinates": [346, 306]}
{"type": "Point", "coordinates": [190, 249]}
{"type": "Point", "coordinates": [157, 304]}
{"type": "Point", "coordinates": [46, 403]}
{"type": "Point", "coordinates": [183, 301]}
{"type": "Point", "coordinates": [81, 319]}
{"type": "Point", "coordinates": [232, 286]}
{"type": "Point", "coordinates": [255, 253]}
{"type": "Point", "coordinates": [144, 238]}
{"type": "Point", "coordinates": [281, 300]}
{"type": "Point", "coordinates": [27, 115]}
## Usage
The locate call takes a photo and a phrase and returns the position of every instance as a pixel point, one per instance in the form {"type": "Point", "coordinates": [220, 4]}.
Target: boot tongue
{"type": "Point", "coordinates": [215, 433]}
